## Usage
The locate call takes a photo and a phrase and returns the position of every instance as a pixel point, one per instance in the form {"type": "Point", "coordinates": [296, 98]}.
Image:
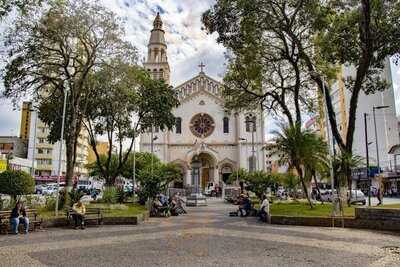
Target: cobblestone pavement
{"type": "Point", "coordinates": [204, 237]}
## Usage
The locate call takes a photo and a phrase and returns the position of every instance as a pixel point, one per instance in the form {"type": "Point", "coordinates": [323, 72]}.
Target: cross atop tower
{"type": "Point", "coordinates": [201, 66]}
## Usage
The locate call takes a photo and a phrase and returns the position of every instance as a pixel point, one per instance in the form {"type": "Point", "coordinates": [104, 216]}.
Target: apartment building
{"type": "Point", "coordinates": [46, 155]}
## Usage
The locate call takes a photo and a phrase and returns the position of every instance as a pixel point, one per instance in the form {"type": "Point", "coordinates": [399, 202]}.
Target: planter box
{"type": "Point", "coordinates": [378, 214]}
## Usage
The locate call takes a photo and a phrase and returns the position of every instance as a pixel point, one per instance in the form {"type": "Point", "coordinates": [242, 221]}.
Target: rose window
{"type": "Point", "coordinates": [202, 125]}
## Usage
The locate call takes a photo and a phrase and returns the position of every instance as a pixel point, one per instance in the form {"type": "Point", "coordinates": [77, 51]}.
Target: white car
{"type": "Point", "coordinates": [357, 196]}
{"type": "Point", "coordinates": [49, 190]}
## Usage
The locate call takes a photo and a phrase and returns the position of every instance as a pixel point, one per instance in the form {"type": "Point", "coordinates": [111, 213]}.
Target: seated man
{"type": "Point", "coordinates": [263, 214]}
{"type": "Point", "coordinates": [245, 206]}
{"type": "Point", "coordinates": [79, 214]}
{"type": "Point", "coordinates": [18, 215]}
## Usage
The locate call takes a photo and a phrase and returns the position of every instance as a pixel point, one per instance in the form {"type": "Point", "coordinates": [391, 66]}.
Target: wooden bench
{"type": "Point", "coordinates": [34, 221]}
{"type": "Point", "coordinates": [91, 215]}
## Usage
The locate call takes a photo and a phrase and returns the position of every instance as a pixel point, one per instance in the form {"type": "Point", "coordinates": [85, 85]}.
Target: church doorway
{"type": "Point", "coordinates": [226, 171]}
{"type": "Point", "coordinates": [206, 170]}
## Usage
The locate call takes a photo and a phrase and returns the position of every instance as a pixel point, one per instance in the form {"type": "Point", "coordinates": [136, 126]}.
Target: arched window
{"type": "Point", "coordinates": [178, 125]}
{"type": "Point", "coordinates": [251, 124]}
{"type": "Point", "coordinates": [226, 124]}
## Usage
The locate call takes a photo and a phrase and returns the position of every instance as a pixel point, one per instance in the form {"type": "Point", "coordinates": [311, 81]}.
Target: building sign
{"type": "Point", "coordinates": [361, 173]}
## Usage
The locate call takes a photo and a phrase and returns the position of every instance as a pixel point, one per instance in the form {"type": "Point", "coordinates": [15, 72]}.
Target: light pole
{"type": "Point", "coordinates": [34, 143]}
{"type": "Point", "coordinates": [367, 155]}
{"type": "Point", "coordinates": [153, 138]}
{"type": "Point", "coordinates": [251, 121]}
{"type": "Point", "coordinates": [134, 167]}
{"type": "Point", "coordinates": [237, 172]}
{"type": "Point", "coordinates": [376, 135]}
{"type": "Point", "coordinates": [61, 144]}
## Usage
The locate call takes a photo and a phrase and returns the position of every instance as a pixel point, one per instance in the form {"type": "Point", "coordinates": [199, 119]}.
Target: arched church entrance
{"type": "Point", "coordinates": [206, 170]}
{"type": "Point", "coordinates": [226, 171]}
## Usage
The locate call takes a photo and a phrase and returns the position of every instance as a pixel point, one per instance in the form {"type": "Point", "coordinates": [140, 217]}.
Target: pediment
{"type": "Point", "coordinates": [201, 84]}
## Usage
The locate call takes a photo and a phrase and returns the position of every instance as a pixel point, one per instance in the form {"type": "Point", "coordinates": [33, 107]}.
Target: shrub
{"type": "Point", "coordinates": [110, 195]}
{"type": "Point", "coordinates": [74, 196]}
{"type": "Point", "coordinates": [50, 203]}
{"type": "Point", "coordinates": [16, 183]}
{"type": "Point", "coordinates": [122, 196]}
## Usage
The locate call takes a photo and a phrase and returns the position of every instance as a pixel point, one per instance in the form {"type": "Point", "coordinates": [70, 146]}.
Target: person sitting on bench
{"type": "Point", "coordinates": [79, 214]}
{"type": "Point", "coordinates": [18, 215]}
{"type": "Point", "coordinates": [263, 214]}
{"type": "Point", "coordinates": [245, 206]}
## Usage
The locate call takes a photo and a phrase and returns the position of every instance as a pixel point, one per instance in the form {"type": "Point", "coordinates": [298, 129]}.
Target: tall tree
{"type": "Point", "coordinates": [299, 148]}
{"type": "Point", "coordinates": [127, 101]}
{"type": "Point", "coordinates": [6, 6]}
{"type": "Point", "coordinates": [326, 34]}
{"type": "Point", "coordinates": [56, 51]}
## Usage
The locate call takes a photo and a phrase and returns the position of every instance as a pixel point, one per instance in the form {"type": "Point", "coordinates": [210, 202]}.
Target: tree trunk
{"type": "Point", "coordinates": [303, 183]}
{"type": "Point", "coordinates": [316, 186]}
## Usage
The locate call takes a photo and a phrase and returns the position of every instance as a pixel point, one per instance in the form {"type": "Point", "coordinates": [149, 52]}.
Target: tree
{"type": "Point", "coordinates": [16, 183]}
{"type": "Point", "coordinates": [259, 181]}
{"type": "Point", "coordinates": [237, 176]}
{"type": "Point", "coordinates": [300, 148]}
{"type": "Point", "coordinates": [6, 6]}
{"type": "Point", "coordinates": [58, 51]}
{"type": "Point", "coordinates": [127, 102]}
{"type": "Point", "coordinates": [325, 35]}
{"type": "Point", "coordinates": [154, 180]}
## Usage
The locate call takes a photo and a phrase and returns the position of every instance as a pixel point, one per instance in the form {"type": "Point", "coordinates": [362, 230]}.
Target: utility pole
{"type": "Point", "coordinates": [367, 155]}
{"type": "Point", "coordinates": [61, 145]}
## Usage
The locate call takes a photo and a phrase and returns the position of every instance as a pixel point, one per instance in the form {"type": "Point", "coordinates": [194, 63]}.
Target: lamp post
{"type": "Point", "coordinates": [237, 172]}
{"type": "Point", "coordinates": [134, 167]}
{"type": "Point", "coordinates": [376, 135]}
{"type": "Point", "coordinates": [367, 156]}
{"type": "Point", "coordinates": [153, 138]}
{"type": "Point", "coordinates": [252, 121]}
{"type": "Point", "coordinates": [34, 142]}
{"type": "Point", "coordinates": [61, 144]}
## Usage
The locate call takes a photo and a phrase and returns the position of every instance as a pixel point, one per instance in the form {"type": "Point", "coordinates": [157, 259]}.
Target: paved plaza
{"type": "Point", "coordinates": [204, 237]}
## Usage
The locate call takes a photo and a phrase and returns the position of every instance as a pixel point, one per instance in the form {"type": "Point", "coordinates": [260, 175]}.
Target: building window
{"type": "Point", "coordinates": [250, 122]}
{"type": "Point", "coordinates": [156, 129]}
{"type": "Point", "coordinates": [252, 163]}
{"type": "Point", "coordinates": [40, 151]}
{"type": "Point", "coordinates": [226, 124]}
{"type": "Point", "coordinates": [178, 125]}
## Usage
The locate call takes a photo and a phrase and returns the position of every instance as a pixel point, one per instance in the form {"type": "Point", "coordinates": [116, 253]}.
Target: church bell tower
{"type": "Point", "coordinates": [157, 60]}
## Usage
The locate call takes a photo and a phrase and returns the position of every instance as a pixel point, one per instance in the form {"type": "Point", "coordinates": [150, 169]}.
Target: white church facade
{"type": "Point", "coordinates": [223, 140]}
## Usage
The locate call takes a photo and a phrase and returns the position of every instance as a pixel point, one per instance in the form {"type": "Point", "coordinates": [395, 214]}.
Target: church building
{"type": "Point", "coordinates": [223, 140]}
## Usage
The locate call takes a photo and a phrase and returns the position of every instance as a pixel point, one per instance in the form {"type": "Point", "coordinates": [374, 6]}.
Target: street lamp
{"type": "Point", "coordinates": [34, 142]}
{"type": "Point", "coordinates": [252, 122]}
{"type": "Point", "coordinates": [237, 172]}
{"type": "Point", "coordinates": [367, 156]}
{"type": "Point", "coordinates": [152, 150]}
{"type": "Point", "coordinates": [61, 144]}
{"type": "Point", "coordinates": [376, 135]}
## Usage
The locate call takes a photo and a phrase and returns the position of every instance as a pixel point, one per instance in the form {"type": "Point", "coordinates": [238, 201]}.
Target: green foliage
{"type": "Point", "coordinates": [74, 196]}
{"type": "Point", "coordinates": [237, 175]}
{"type": "Point", "coordinates": [110, 195]}
{"type": "Point", "coordinates": [259, 181]}
{"type": "Point", "coordinates": [122, 196]}
{"type": "Point", "coordinates": [16, 183]}
{"type": "Point", "coordinates": [125, 91]}
{"type": "Point", "coordinates": [6, 6]}
{"type": "Point", "coordinates": [156, 180]}
{"type": "Point", "coordinates": [50, 204]}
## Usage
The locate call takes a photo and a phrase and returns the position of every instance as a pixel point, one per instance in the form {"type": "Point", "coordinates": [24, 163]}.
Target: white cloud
{"type": "Point", "coordinates": [188, 45]}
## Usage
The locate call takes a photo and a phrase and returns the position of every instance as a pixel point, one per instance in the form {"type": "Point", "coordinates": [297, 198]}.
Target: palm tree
{"type": "Point", "coordinates": [301, 150]}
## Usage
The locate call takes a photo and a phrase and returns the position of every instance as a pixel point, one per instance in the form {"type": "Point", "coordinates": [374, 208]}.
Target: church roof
{"type": "Point", "coordinates": [199, 84]}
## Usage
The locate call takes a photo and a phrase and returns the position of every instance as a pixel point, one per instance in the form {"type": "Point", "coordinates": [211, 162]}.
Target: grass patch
{"type": "Point", "coordinates": [390, 206]}
{"type": "Point", "coordinates": [109, 210]}
{"type": "Point", "coordinates": [303, 209]}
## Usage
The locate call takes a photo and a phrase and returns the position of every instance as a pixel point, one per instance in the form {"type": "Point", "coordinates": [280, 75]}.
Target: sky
{"type": "Point", "coordinates": [188, 44]}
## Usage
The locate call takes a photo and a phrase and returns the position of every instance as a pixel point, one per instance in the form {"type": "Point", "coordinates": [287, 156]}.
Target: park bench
{"type": "Point", "coordinates": [92, 215]}
{"type": "Point", "coordinates": [34, 221]}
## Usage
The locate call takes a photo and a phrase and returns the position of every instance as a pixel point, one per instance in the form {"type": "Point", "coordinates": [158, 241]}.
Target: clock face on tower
{"type": "Point", "coordinates": [202, 125]}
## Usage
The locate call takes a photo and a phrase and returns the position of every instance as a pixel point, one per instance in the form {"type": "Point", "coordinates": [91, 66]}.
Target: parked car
{"type": "Point", "coordinates": [49, 190]}
{"type": "Point", "coordinates": [356, 196]}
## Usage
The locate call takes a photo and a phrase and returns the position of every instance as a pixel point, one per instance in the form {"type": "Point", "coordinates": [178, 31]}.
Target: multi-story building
{"type": "Point", "coordinates": [46, 155]}
{"type": "Point", "coordinates": [25, 120]}
{"type": "Point", "coordinates": [384, 107]}
{"type": "Point", "coordinates": [13, 145]}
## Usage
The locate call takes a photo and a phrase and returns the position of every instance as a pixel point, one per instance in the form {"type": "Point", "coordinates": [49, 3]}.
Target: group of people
{"type": "Point", "coordinates": [246, 208]}
{"type": "Point", "coordinates": [164, 206]}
